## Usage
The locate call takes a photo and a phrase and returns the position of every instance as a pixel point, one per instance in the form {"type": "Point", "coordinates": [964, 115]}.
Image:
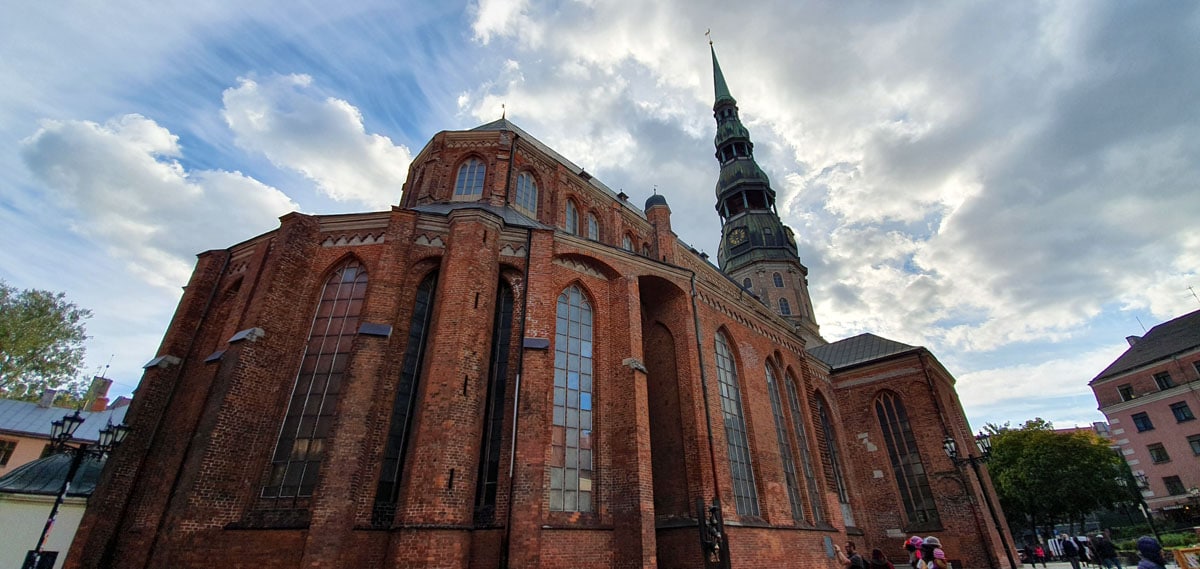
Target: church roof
{"type": "Point", "coordinates": [1165, 340]}
{"type": "Point", "coordinates": [858, 350]}
{"type": "Point", "coordinates": [45, 476]}
{"type": "Point", "coordinates": [720, 89]}
{"type": "Point", "coordinates": [510, 216]}
{"type": "Point", "coordinates": [505, 124]}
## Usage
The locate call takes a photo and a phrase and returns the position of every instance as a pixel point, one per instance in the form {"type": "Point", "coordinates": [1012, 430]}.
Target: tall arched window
{"type": "Point", "coordinates": [527, 194]}
{"type": "Point", "coordinates": [785, 447]}
{"type": "Point", "coordinates": [835, 460]}
{"type": "Point", "coordinates": [741, 470]}
{"type": "Point", "coordinates": [785, 308]}
{"type": "Point", "coordinates": [593, 227]}
{"type": "Point", "coordinates": [778, 278]}
{"type": "Point", "coordinates": [469, 185]}
{"type": "Point", "coordinates": [626, 243]}
{"type": "Point", "coordinates": [490, 446]}
{"type": "Point", "coordinates": [572, 221]}
{"type": "Point", "coordinates": [906, 460]}
{"type": "Point", "coordinates": [810, 475]}
{"type": "Point", "coordinates": [571, 460]}
{"type": "Point", "coordinates": [404, 403]}
{"type": "Point", "coordinates": [746, 284]}
{"type": "Point", "coordinates": [309, 419]}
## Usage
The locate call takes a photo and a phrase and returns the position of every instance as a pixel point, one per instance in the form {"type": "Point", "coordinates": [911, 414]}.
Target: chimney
{"type": "Point", "coordinates": [47, 399]}
{"type": "Point", "coordinates": [1133, 340]}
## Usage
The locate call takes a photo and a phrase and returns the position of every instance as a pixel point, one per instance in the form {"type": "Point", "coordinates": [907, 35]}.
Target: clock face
{"type": "Point", "coordinates": [737, 236]}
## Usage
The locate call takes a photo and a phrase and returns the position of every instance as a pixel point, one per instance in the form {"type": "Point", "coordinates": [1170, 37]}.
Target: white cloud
{"type": "Point", "coordinates": [323, 138]}
{"type": "Point", "coordinates": [121, 185]}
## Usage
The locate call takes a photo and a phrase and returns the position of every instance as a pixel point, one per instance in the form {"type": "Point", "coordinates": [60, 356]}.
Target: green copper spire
{"type": "Point", "coordinates": [722, 90]}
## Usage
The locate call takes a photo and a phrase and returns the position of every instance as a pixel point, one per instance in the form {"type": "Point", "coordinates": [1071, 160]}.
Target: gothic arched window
{"type": "Point", "coordinates": [906, 460]}
{"type": "Point", "coordinates": [593, 227]}
{"type": "Point", "coordinates": [469, 184]}
{"type": "Point", "coordinates": [571, 460]}
{"type": "Point", "coordinates": [626, 243]}
{"type": "Point", "coordinates": [778, 278]}
{"type": "Point", "coordinates": [309, 419]}
{"type": "Point", "coordinates": [572, 222]}
{"type": "Point", "coordinates": [785, 308]}
{"type": "Point", "coordinates": [746, 284]}
{"type": "Point", "coordinates": [741, 470]}
{"type": "Point", "coordinates": [835, 460]}
{"type": "Point", "coordinates": [810, 476]}
{"type": "Point", "coordinates": [785, 447]}
{"type": "Point", "coordinates": [527, 194]}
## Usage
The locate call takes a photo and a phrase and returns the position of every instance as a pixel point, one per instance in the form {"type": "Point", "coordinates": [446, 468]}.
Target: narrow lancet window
{"type": "Point", "coordinates": [906, 461]}
{"type": "Point", "coordinates": [571, 459]}
{"type": "Point", "coordinates": [738, 444]}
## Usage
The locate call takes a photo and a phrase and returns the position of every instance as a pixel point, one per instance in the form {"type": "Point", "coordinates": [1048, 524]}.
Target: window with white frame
{"type": "Point", "coordinates": [469, 185]}
{"type": "Point", "coordinates": [527, 194]}
{"type": "Point", "coordinates": [571, 460]}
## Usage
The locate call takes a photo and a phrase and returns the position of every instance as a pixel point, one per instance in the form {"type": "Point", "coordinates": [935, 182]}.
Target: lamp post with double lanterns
{"type": "Point", "coordinates": [62, 433]}
{"type": "Point", "coordinates": [984, 443]}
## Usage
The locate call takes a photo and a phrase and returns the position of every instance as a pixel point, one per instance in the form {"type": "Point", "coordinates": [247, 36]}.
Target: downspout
{"type": "Point", "coordinates": [512, 453]}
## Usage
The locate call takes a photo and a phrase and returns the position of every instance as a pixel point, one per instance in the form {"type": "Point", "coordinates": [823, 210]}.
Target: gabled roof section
{"type": "Point", "coordinates": [505, 124]}
{"type": "Point", "coordinates": [1163, 341]}
{"type": "Point", "coordinates": [28, 418]}
{"type": "Point", "coordinates": [510, 216]}
{"type": "Point", "coordinates": [45, 476]}
{"type": "Point", "coordinates": [858, 350]}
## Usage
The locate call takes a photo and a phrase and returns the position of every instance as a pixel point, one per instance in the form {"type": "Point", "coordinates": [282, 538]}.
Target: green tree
{"type": "Point", "coordinates": [41, 342]}
{"type": "Point", "coordinates": [1044, 477]}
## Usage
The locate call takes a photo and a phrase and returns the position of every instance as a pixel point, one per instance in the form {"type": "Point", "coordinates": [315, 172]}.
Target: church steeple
{"type": "Point", "coordinates": [756, 249]}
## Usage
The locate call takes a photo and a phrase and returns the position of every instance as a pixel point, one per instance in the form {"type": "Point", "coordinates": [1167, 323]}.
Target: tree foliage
{"type": "Point", "coordinates": [41, 341]}
{"type": "Point", "coordinates": [1044, 477]}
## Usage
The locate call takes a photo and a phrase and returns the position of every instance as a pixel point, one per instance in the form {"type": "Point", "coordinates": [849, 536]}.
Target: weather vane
{"type": "Point", "coordinates": [708, 34]}
{"type": "Point", "coordinates": [503, 111]}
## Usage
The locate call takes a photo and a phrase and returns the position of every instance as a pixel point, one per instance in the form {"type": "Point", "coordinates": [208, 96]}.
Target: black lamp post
{"type": "Point", "coordinates": [984, 443]}
{"type": "Point", "coordinates": [62, 432]}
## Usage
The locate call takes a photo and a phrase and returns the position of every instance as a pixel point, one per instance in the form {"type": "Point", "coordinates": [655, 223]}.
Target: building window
{"type": "Point", "coordinates": [309, 418]}
{"type": "Point", "coordinates": [1163, 380]}
{"type": "Point", "coordinates": [469, 185]}
{"type": "Point", "coordinates": [906, 460]}
{"type": "Point", "coordinates": [746, 284]}
{"type": "Point", "coordinates": [738, 444]}
{"type": "Point", "coordinates": [785, 308]}
{"type": "Point", "coordinates": [1158, 454]}
{"type": "Point", "coordinates": [571, 461]}
{"type": "Point", "coordinates": [1194, 442]}
{"type": "Point", "coordinates": [593, 227]}
{"type": "Point", "coordinates": [1182, 412]}
{"type": "Point", "coordinates": [626, 243]}
{"type": "Point", "coordinates": [1174, 485]}
{"type": "Point", "coordinates": [493, 423]}
{"type": "Point", "coordinates": [835, 460]}
{"type": "Point", "coordinates": [572, 221]}
{"type": "Point", "coordinates": [404, 403]}
{"type": "Point", "coordinates": [6, 451]}
{"type": "Point", "coordinates": [785, 447]}
{"type": "Point", "coordinates": [527, 194]}
{"type": "Point", "coordinates": [1126, 392]}
{"type": "Point", "coordinates": [768, 237]}
{"type": "Point", "coordinates": [1142, 422]}
{"type": "Point", "coordinates": [778, 278]}
{"type": "Point", "coordinates": [810, 476]}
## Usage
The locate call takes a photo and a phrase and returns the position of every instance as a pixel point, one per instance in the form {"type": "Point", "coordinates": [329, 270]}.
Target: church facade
{"type": "Point", "coordinates": [517, 367]}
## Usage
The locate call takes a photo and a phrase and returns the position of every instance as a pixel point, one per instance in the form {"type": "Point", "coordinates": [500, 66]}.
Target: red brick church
{"type": "Point", "coordinates": [517, 367]}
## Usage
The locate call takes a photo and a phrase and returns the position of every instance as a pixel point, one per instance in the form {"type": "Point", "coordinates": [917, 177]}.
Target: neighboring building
{"type": "Point", "coordinates": [27, 494]}
{"type": "Point", "coordinates": [515, 367]}
{"type": "Point", "coordinates": [1151, 396]}
{"type": "Point", "coordinates": [25, 426]}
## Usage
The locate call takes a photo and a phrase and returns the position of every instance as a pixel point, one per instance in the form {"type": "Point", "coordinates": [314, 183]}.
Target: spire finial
{"type": "Point", "coordinates": [503, 111]}
{"type": "Point", "coordinates": [708, 34]}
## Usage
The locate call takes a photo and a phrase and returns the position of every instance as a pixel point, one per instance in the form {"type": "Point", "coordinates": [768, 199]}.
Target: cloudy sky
{"type": "Point", "coordinates": [1011, 184]}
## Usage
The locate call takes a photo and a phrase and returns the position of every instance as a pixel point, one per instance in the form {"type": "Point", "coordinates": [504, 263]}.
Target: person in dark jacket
{"type": "Point", "coordinates": [1106, 552]}
{"type": "Point", "coordinates": [1151, 553]}
{"type": "Point", "coordinates": [1070, 551]}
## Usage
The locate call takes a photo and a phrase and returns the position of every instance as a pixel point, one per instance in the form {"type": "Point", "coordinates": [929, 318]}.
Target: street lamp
{"type": "Point", "coordinates": [984, 443]}
{"type": "Point", "coordinates": [62, 432]}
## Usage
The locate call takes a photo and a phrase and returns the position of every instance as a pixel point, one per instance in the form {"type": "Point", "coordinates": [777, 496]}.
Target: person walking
{"type": "Point", "coordinates": [932, 556]}
{"type": "Point", "coordinates": [1106, 552]}
{"type": "Point", "coordinates": [1070, 551]}
{"type": "Point", "coordinates": [850, 559]}
{"type": "Point", "coordinates": [913, 547]}
{"type": "Point", "coordinates": [878, 561]}
{"type": "Point", "coordinates": [1039, 554]}
{"type": "Point", "coordinates": [1151, 553]}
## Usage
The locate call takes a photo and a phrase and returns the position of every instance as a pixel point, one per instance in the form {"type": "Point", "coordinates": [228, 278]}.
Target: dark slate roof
{"type": "Point", "coordinates": [1162, 341]}
{"type": "Point", "coordinates": [505, 124]}
{"type": "Point", "coordinates": [27, 418]}
{"type": "Point", "coordinates": [508, 214]}
{"type": "Point", "coordinates": [45, 476]}
{"type": "Point", "coordinates": [857, 350]}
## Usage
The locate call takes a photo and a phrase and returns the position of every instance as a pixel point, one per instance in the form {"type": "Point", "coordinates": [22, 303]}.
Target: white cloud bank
{"type": "Point", "coordinates": [122, 183]}
{"type": "Point", "coordinates": [292, 124]}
